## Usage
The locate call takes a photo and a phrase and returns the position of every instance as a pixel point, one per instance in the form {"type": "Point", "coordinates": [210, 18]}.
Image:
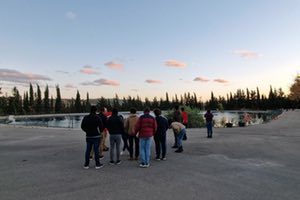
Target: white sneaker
{"type": "Point", "coordinates": [99, 166]}
{"type": "Point", "coordinates": [142, 165]}
{"type": "Point", "coordinates": [86, 167]}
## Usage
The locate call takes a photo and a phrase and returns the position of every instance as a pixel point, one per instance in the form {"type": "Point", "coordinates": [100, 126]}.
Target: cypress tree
{"type": "Point", "coordinates": [58, 102]}
{"type": "Point", "coordinates": [46, 100]}
{"type": "Point", "coordinates": [38, 104]}
{"type": "Point", "coordinates": [31, 98]}
{"type": "Point", "coordinates": [77, 103]}
{"type": "Point", "coordinates": [26, 102]}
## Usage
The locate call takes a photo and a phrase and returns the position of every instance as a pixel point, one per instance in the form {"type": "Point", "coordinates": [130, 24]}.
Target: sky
{"type": "Point", "coordinates": [148, 48]}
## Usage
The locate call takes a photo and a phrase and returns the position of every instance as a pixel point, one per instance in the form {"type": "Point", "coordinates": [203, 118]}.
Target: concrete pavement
{"type": "Point", "coordinates": [255, 162]}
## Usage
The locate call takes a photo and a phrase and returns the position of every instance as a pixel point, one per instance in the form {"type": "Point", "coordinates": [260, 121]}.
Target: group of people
{"type": "Point", "coordinates": [137, 130]}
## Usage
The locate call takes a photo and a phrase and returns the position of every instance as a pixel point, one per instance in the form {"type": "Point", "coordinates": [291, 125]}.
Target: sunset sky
{"type": "Point", "coordinates": [148, 48]}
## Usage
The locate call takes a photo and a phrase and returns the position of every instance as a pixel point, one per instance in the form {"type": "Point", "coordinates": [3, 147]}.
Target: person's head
{"type": "Point", "coordinates": [103, 109]}
{"type": "Point", "coordinates": [182, 109]}
{"type": "Point", "coordinates": [115, 111]}
{"type": "Point", "coordinates": [146, 110]}
{"type": "Point", "coordinates": [157, 112]}
{"type": "Point", "coordinates": [176, 107]}
{"type": "Point", "coordinates": [208, 110]}
{"type": "Point", "coordinates": [93, 110]}
{"type": "Point", "coordinates": [132, 110]}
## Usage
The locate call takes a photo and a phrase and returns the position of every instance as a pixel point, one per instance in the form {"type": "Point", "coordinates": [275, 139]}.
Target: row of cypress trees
{"type": "Point", "coordinates": [32, 102]}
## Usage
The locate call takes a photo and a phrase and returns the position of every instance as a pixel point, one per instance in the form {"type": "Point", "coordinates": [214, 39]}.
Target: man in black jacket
{"type": "Point", "coordinates": [92, 125]}
{"type": "Point", "coordinates": [160, 136]}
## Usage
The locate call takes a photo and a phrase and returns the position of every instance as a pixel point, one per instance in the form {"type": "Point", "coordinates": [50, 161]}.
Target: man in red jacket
{"type": "Point", "coordinates": [145, 127]}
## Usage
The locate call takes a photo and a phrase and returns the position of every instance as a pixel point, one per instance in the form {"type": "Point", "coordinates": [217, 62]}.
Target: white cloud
{"type": "Point", "coordinates": [70, 15]}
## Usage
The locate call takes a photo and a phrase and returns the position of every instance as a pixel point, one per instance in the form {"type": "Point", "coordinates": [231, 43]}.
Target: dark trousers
{"type": "Point", "coordinates": [209, 129]}
{"type": "Point", "coordinates": [135, 140]}
{"type": "Point", "coordinates": [125, 141]}
{"type": "Point", "coordinates": [160, 145]}
{"type": "Point", "coordinates": [92, 143]}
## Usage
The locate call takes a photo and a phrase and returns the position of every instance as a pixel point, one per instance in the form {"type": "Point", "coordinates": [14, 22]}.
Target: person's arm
{"type": "Point", "coordinates": [126, 125]}
{"type": "Point", "coordinates": [101, 125]}
{"type": "Point", "coordinates": [83, 124]}
{"type": "Point", "coordinates": [137, 126]}
{"type": "Point", "coordinates": [155, 126]}
{"type": "Point", "coordinates": [166, 123]}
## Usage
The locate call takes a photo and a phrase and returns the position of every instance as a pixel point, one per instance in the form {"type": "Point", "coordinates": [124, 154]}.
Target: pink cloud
{"type": "Point", "coordinates": [153, 81]}
{"type": "Point", "coordinates": [114, 65]}
{"type": "Point", "coordinates": [246, 53]}
{"type": "Point", "coordinates": [220, 80]}
{"type": "Point", "coordinates": [11, 75]}
{"type": "Point", "coordinates": [87, 69]}
{"type": "Point", "coordinates": [200, 79]}
{"type": "Point", "coordinates": [175, 63]}
{"type": "Point", "coordinates": [102, 81]}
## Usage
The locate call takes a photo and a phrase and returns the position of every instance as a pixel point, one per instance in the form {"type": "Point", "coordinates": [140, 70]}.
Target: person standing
{"type": "Point", "coordinates": [185, 120]}
{"type": "Point", "coordinates": [115, 128]}
{"type": "Point", "coordinates": [145, 128]}
{"type": "Point", "coordinates": [176, 118]}
{"type": "Point", "coordinates": [92, 126]}
{"type": "Point", "coordinates": [209, 123]}
{"type": "Point", "coordinates": [129, 125]}
{"type": "Point", "coordinates": [107, 114]}
{"type": "Point", "coordinates": [104, 132]}
{"type": "Point", "coordinates": [160, 135]}
{"type": "Point", "coordinates": [179, 130]}
{"type": "Point", "coordinates": [124, 139]}
{"type": "Point", "coordinates": [102, 147]}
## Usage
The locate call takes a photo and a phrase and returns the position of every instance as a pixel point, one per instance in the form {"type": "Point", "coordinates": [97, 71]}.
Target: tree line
{"type": "Point", "coordinates": [33, 102]}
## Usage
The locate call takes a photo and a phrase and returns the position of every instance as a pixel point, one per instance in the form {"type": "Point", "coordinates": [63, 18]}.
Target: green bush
{"type": "Point", "coordinates": [195, 117]}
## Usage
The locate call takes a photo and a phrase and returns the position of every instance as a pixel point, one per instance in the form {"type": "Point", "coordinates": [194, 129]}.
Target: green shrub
{"type": "Point", "coordinates": [195, 117]}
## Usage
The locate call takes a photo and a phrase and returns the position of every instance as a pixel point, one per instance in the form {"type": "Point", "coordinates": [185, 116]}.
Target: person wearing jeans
{"type": "Point", "coordinates": [145, 128]}
{"type": "Point", "coordinates": [179, 130]}
{"type": "Point", "coordinates": [92, 125]}
{"type": "Point", "coordinates": [92, 143]}
{"type": "Point", "coordinates": [209, 123]}
{"type": "Point", "coordinates": [145, 149]}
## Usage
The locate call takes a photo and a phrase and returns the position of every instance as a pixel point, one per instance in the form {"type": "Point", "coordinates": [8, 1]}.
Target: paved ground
{"type": "Point", "coordinates": [258, 162]}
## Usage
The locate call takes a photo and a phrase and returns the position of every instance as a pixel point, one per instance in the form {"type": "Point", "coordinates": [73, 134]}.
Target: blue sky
{"type": "Point", "coordinates": [148, 48]}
